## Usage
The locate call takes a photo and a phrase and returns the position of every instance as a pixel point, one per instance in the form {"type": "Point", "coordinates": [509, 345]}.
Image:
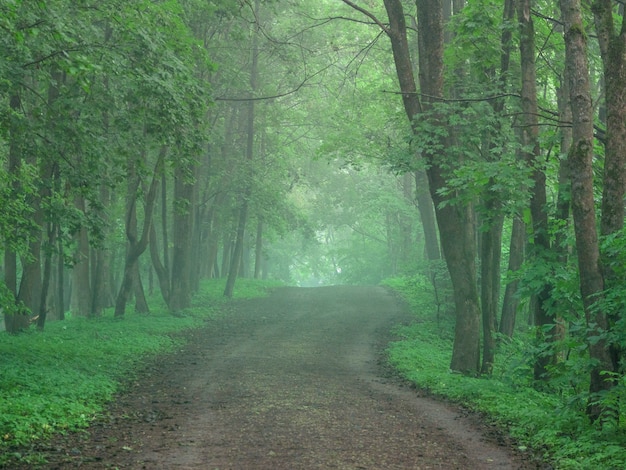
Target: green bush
{"type": "Point", "coordinates": [551, 422]}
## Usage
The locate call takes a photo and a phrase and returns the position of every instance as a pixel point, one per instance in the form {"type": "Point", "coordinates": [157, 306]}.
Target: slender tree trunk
{"type": "Point", "coordinates": [562, 214]}
{"type": "Point", "coordinates": [510, 302]}
{"type": "Point", "coordinates": [258, 250]}
{"type": "Point", "coordinates": [60, 287]}
{"type": "Point", "coordinates": [491, 253]}
{"type": "Point", "coordinates": [613, 50]}
{"type": "Point", "coordinates": [583, 204]}
{"type": "Point", "coordinates": [243, 211]}
{"type": "Point", "coordinates": [163, 274]}
{"type": "Point", "coordinates": [493, 221]}
{"type": "Point", "coordinates": [530, 131]}
{"type": "Point", "coordinates": [136, 247]}
{"type": "Point", "coordinates": [180, 293]}
{"type": "Point", "coordinates": [427, 216]}
{"type": "Point", "coordinates": [81, 284]}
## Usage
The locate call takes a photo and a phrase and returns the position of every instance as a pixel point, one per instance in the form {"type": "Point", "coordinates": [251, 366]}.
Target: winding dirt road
{"type": "Point", "coordinates": [292, 381]}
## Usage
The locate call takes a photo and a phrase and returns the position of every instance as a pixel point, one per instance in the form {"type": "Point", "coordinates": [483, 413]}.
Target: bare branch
{"type": "Point", "coordinates": [368, 14]}
{"type": "Point", "coordinates": [279, 95]}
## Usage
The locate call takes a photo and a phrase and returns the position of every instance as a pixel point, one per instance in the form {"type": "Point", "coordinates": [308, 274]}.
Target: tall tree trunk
{"type": "Point", "coordinates": [583, 204]}
{"type": "Point", "coordinates": [562, 215]}
{"type": "Point", "coordinates": [613, 50]}
{"type": "Point", "coordinates": [455, 222]}
{"type": "Point", "coordinates": [493, 221]}
{"type": "Point", "coordinates": [15, 319]}
{"type": "Point", "coordinates": [530, 138]}
{"type": "Point", "coordinates": [243, 210]}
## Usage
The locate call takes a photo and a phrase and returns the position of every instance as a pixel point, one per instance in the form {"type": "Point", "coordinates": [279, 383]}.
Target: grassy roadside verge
{"type": "Point", "coordinates": [60, 379]}
{"type": "Point", "coordinates": [550, 423]}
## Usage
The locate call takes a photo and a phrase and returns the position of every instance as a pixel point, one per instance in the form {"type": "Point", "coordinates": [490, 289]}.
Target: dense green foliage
{"type": "Point", "coordinates": [152, 144]}
{"type": "Point", "coordinates": [60, 380]}
{"type": "Point", "coordinates": [550, 423]}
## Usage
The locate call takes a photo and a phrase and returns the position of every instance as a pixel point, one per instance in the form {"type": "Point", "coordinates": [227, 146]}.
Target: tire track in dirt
{"type": "Point", "coordinates": [292, 381]}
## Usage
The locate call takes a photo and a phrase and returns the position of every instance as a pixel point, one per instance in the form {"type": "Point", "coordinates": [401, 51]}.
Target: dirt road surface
{"type": "Point", "coordinates": [293, 381]}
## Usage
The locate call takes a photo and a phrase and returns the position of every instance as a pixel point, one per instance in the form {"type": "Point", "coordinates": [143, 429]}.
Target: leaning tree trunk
{"type": "Point", "coordinates": [136, 247]}
{"type": "Point", "coordinates": [456, 222]}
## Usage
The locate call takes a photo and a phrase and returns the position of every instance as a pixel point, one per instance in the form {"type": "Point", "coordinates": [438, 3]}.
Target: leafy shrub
{"type": "Point", "coordinates": [552, 422]}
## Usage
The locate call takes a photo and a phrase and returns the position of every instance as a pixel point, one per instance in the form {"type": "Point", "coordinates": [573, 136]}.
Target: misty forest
{"type": "Point", "coordinates": [162, 159]}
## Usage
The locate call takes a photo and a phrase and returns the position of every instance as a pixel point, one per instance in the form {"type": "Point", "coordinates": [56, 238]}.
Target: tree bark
{"type": "Point", "coordinates": [184, 189]}
{"type": "Point", "coordinates": [613, 52]}
{"type": "Point", "coordinates": [427, 216]}
{"type": "Point", "coordinates": [15, 318]}
{"type": "Point", "coordinates": [538, 201]}
{"type": "Point", "coordinates": [493, 219]}
{"type": "Point", "coordinates": [516, 258]}
{"type": "Point", "coordinates": [456, 223]}
{"type": "Point", "coordinates": [243, 210]}
{"type": "Point", "coordinates": [136, 247]}
{"type": "Point", "coordinates": [583, 204]}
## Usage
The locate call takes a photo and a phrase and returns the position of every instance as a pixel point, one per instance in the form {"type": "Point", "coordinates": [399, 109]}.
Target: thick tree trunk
{"type": "Point", "coordinates": [141, 304]}
{"type": "Point", "coordinates": [583, 204]}
{"type": "Point", "coordinates": [456, 223]}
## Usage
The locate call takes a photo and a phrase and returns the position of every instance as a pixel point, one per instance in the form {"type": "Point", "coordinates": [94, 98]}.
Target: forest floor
{"type": "Point", "coordinates": [297, 380]}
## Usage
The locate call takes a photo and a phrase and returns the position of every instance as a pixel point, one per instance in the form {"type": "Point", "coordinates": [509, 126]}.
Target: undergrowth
{"type": "Point", "coordinates": [551, 422]}
{"type": "Point", "coordinates": [59, 380]}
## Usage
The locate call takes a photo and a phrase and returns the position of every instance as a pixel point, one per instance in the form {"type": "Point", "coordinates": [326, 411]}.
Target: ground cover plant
{"type": "Point", "coordinates": [60, 379]}
{"type": "Point", "coordinates": [550, 421]}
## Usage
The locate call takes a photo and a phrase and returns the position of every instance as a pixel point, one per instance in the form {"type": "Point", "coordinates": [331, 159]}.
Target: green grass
{"type": "Point", "coordinates": [61, 379]}
{"type": "Point", "coordinates": [552, 424]}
